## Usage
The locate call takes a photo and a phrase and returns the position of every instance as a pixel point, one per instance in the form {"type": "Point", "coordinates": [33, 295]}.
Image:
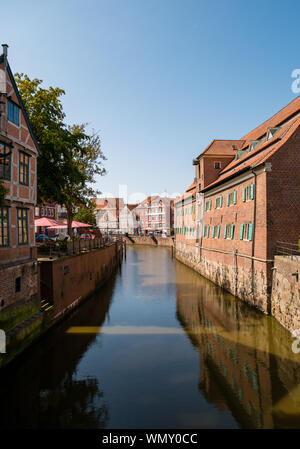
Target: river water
{"type": "Point", "coordinates": [157, 347]}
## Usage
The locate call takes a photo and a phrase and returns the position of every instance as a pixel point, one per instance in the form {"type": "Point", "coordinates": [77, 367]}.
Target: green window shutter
{"type": "Point", "coordinates": [231, 231]}
{"type": "Point", "coordinates": [218, 231]}
{"type": "Point", "coordinates": [250, 231]}
{"type": "Point", "coordinates": [234, 197]}
{"type": "Point", "coordinates": [213, 232]}
{"type": "Point", "coordinates": [241, 231]}
{"type": "Point", "coordinates": [227, 199]}
{"type": "Point", "coordinates": [203, 231]}
{"type": "Point", "coordinates": [225, 231]}
{"type": "Point", "coordinates": [244, 194]}
{"type": "Point", "coordinates": [252, 191]}
{"type": "Point", "coordinates": [209, 204]}
{"type": "Point", "coordinates": [207, 231]}
{"type": "Point", "coordinates": [221, 200]}
{"type": "Point", "coordinates": [215, 203]}
{"type": "Point", "coordinates": [205, 204]}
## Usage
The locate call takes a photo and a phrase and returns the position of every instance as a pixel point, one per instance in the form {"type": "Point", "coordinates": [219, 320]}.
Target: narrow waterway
{"type": "Point", "coordinates": [158, 347]}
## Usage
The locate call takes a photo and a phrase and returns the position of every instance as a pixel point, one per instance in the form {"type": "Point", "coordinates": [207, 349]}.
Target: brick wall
{"type": "Point", "coordinates": [66, 281]}
{"type": "Point", "coordinates": [28, 273]}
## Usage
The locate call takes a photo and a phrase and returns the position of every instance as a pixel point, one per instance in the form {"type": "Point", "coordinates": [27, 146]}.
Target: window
{"type": "Point", "coordinates": [24, 168]}
{"type": "Point", "coordinates": [207, 205]}
{"type": "Point", "coordinates": [246, 231]}
{"type": "Point", "coordinates": [248, 193]}
{"type": "Point", "coordinates": [206, 231]}
{"type": "Point", "coordinates": [253, 144]}
{"type": "Point", "coordinates": [5, 162]}
{"type": "Point", "coordinates": [229, 231]}
{"type": "Point", "coordinates": [215, 232]}
{"type": "Point", "coordinates": [22, 215]}
{"type": "Point", "coordinates": [231, 198]}
{"type": "Point", "coordinates": [4, 227]}
{"type": "Point", "coordinates": [217, 165]}
{"type": "Point", "coordinates": [18, 284]}
{"type": "Point", "coordinates": [13, 112]}
{"type": "Point", "coordinates": [271, 132]}
{"type": "Point", "coordinates": [218, 202]}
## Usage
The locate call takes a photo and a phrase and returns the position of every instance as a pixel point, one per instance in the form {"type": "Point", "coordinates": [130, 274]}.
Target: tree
{"type": "Point", "coordinates": [3, 192]}
{"type": "Point", "coordinates": [86, 214]}
{"type": "Point", "coordinates": [70, 157]}
{"type": "Point", "coordinates": [46, 116]}
{"type": "Point", "coordinates": [87, 157]}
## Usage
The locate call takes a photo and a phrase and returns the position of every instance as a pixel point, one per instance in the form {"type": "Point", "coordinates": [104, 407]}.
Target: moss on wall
{"type": "Point", "coordinates": [12, 316]}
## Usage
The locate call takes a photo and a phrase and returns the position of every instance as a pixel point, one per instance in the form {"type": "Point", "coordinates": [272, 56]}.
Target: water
{"type": "Point", "coordinates": [158, 347]}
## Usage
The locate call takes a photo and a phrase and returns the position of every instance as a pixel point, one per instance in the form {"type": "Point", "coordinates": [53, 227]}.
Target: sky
{"type": "Point", "coordinates": [159, 79]}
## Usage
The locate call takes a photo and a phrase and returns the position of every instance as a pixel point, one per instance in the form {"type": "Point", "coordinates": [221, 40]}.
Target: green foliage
{"type": "Point", "coordinates": [86, 214]}
{"type": "Point", "coordinates": [3, 192]}
{"type": "Point", "coordinates": [70, 157]}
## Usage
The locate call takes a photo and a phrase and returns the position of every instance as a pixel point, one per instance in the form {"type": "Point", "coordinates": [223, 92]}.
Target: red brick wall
{"type": "Point", "coordinates": [69, 280]}
{"type": "Point", "coordinates": [283, 193]}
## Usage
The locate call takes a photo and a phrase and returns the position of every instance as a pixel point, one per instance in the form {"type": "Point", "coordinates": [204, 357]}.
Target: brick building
{"type": "Point", "coordinates": [155, 213]}
{"type": "Point", "coordinates": [245, 197]}
{"type": "Point", "coordinates": [18, 163]}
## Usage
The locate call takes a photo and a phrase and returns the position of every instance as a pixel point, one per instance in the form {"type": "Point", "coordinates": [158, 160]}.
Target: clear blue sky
{"type": "Point", "coordinates": [159, 78]}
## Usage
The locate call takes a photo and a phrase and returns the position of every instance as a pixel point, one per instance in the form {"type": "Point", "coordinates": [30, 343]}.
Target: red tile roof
{"type": "Point", "coordinates": [288, 119]}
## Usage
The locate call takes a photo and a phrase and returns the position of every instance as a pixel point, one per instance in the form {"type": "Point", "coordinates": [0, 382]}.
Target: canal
{"type": "Point", "coordinates": [157, 347]}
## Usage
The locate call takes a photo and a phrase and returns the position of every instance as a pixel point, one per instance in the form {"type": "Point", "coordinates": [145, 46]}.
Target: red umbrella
{"type": "Point", "coordinates": [78, 224]}
{"type": "Point", "coordinates": [75, 224]}
{"type": "Point", "coordinates": [46, 222]}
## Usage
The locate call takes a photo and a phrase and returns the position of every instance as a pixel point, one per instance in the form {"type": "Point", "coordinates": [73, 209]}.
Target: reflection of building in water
{"type": "Point", "coordinates": [55, 396]}
{"type": "Point", "coordinates": [238, 370]}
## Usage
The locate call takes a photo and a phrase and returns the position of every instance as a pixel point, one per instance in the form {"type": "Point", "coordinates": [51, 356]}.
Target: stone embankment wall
{"type": "Point", "coordinates": [285, 297]}
{"type": "Point", "coordinates": [233, 272]}
{"type": "Point", "coordinates": [147, 240]}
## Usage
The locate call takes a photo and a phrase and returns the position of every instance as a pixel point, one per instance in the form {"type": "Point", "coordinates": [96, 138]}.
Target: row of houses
{"type": "Point", "coordinates": [244, 199]}
{"type": "Point", "coordinates": [154, 213]}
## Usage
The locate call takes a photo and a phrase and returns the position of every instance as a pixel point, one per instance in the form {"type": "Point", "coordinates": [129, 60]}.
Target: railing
{"type": "Point", "coordinates": [287, 249]}
{"type": "Point", "coordinates": [54, 249]}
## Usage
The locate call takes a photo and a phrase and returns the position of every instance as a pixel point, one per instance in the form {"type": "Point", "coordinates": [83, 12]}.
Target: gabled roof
{"type": "Point", "coordinates": [286, 120]}
{"type": "Point", "coordinates": [222, 147]}
{"type": "Point", "coordinates": [258, 156]}
{"type": "Point", "coordinates": [21, 104]}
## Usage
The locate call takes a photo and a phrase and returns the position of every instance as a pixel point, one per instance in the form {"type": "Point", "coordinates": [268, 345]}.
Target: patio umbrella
{"type": "Point", "coordinates": [45, 222]}
{"type": "Point", "coordinates": [75, 224]}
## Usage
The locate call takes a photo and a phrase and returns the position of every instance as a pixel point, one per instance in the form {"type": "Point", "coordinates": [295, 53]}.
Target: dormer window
{"type": "Point", "coordinates": [217, 165]}
{"type": "Point", "coordinates": [253, 144]}
{"type": "Point", "coordinates": [271, 132]}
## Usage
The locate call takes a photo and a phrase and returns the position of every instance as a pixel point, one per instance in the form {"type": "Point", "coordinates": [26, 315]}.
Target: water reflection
{"type": "Point", "coordinates": [43, 389]}
{"type": "Point", "coordinates": [157, 347]}
{"type": "Point", "coordinates": [246, 362]}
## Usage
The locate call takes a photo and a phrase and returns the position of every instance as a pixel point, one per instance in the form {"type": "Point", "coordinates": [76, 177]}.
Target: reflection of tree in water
{"type": "Point", "coordinates": [43, 389]}
{"type": "Point", "coordinates": [74, 404]}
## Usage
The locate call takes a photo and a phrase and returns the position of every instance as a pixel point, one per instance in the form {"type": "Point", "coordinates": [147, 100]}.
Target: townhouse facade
{"type": "Point", "coordinates": [155, 213]}
{"type": "Point", "coordinates": [18, 166]}
{"type": "Point", "coordinates": [244, 199]}
{"type": "Point", "coordinates": [107, 211]}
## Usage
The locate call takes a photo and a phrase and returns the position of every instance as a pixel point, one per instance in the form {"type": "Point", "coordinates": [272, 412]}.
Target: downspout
{"type": "Point", "coordinates": [5, 47]}
{"type": "Point", "coordinates": [253, 235]}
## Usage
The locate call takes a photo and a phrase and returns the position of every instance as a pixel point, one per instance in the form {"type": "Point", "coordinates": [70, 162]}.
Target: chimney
{"type": "Point", "coordinates": [5, 47]}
